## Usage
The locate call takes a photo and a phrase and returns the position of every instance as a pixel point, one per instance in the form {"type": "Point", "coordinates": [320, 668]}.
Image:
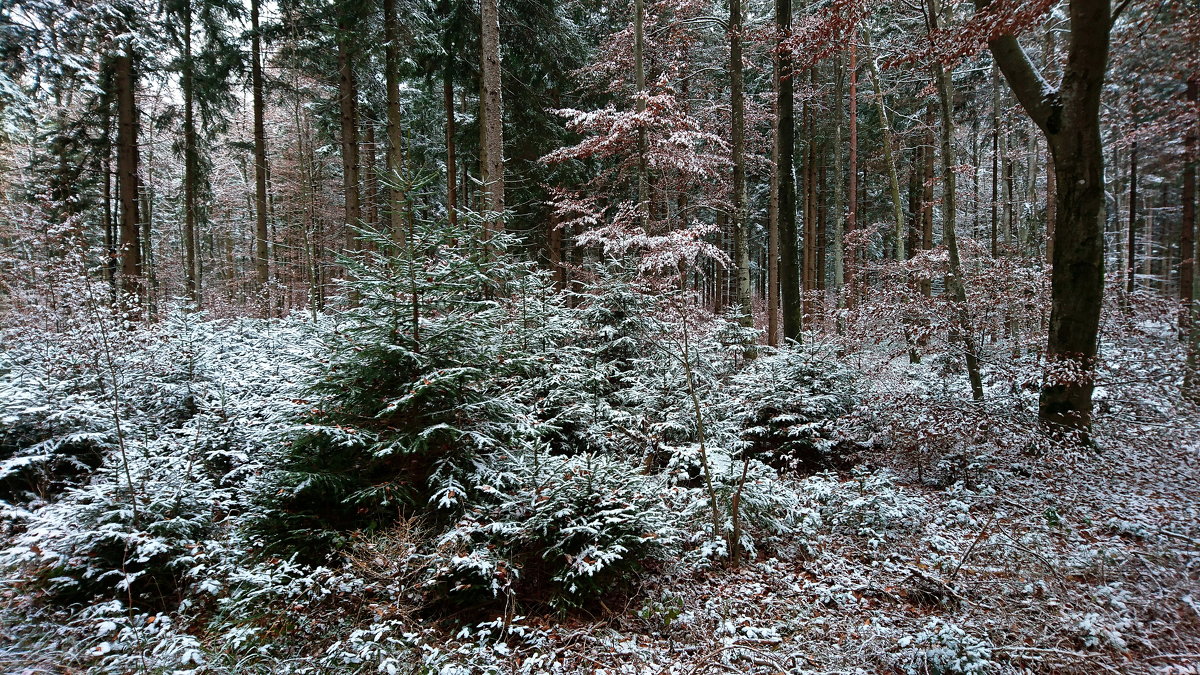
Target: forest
{"type": "Point", "coordinates": [599, 336]}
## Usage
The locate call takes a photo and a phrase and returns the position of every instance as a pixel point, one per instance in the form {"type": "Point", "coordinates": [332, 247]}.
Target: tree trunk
{"type": "Point", "coordinates": [1069, 116]}
{"type": "Point", "coordinates": [954, 282]}
{"type": "Point", "coordinates": [807, 274]}
{"type": "Point", "coordinates": [773, 211]}
{"type": "Point", "coordinates": [852, 193]}
{"type": "Point", "coordinates": [737, 135]}
{"type": "Point", "coordinates": [995, 232]}
{"type": "Point", "coordinates": [491, 169]}
{"type": "Point", "coordinates": [1187, 229]}
{"type": "Point", "coordinates": [261, 270]}
{"type": "Point", "coordinates": [127, 175]}
{"type": "Point", "coordinates": [348, 115]}
{"type": "Point", "coordinates": [191, 163]}
{"type": "Point", "coordinates": [395, 138]}
{"type": "Point", "coordinates": [785, 143]}
{"type": "Point", "coordinates": [1191, 380]}
{"type": "Point", "coordinates": [1131, 241]}
{"type": "Point", "coordinates": [888, 152]}
{"type": "Point", "coordinates": [839, 210]}
{"type": "Point", "coordinates": [451, 150]}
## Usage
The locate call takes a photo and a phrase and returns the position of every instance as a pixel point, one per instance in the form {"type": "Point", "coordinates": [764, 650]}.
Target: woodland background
{"type": "Point", "coordinates": [587, 336]}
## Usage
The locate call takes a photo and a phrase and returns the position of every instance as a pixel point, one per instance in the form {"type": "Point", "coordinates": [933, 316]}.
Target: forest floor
{"type": "Point", "coordinates": [968, 554]}
{"type": "Point", "coordinates": [1078, 563]}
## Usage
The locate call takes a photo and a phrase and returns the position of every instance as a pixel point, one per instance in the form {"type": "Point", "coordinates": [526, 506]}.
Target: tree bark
{"type": "Point", "coordinates": [191, 163]}
{"type": "Point", "coordinates": [1131, 240]}
{"type": "Point", "coordinates": [451, 150]}
{"type": "Point", "coordinates": [127, 174]}
{"type": "Point", "coordinates": [852, 193]}
{"type": "Point", "coordinates": [954, 282]}
{"type": "Point", "coordinates": [1191, 380]}
{"type": "Point", "coordinates": [773, 208]}
{"type": "Point", "coordinates": [261, 270]}
{"type": "Point", "coordinates": [888, 152]}
{"type": "Point", "coordinates": [737, 145]}
{"type": "Point", "coordinates": [491, 118]}
{"type": "Point", "coordinates": [1187, 229]}
{"type": "Point", "coordinates": [394, 159]}
{"type": "Point", "coordinates": [785, 143]}
{"type": "Point", "coordinates": [348, 115]}
{"type": "Point", "coordinates": [1069, 116]}
{"type": "Point", "coordinates": [839, 210]}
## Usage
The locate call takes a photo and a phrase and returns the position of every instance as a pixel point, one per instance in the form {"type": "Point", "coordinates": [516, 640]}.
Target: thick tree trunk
{"type": "Point", "coordinates": [808, 273]}
{"type": "Point", "coordinates": [785, 143]}
{"type": "Point", "coordinates": [1069, 116]}
{"type": "Point", "coordinates": [191, 164]}
{"type": "Point", "coordinates": [491, 169]}
{"type": "Point", "coordinates": [127, 175]}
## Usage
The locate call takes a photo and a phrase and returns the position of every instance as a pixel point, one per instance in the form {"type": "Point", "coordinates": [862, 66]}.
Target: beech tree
{"type": "Point", "coordinates": [1069, 116]}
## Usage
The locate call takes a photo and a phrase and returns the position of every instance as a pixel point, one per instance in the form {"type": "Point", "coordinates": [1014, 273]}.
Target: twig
{"type": "Point", "coordinates": [717, 652]}
{"type": "Point", "coordinates": [971, 548]}
{"type": "Point", "coordinates": [1060, 652]}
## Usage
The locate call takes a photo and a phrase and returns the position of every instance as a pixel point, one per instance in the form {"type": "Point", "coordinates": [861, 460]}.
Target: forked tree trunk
{"type": "Point", "coordinates": [1069, 116]}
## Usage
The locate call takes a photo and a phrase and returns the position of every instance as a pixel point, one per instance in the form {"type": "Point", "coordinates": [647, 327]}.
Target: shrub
{"type": "Point", "coordinates": [560, 530]}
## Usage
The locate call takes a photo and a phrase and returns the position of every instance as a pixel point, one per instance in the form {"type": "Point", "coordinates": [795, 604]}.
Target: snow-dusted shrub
{"type": "Point", "coordinates": [869, 505]}
{"type": "Point", "coordinates": [408, 398]}
{"type": "Point", "coordinates": [769, 508]}
{"type": "Point", "coordinates": [943, 648]}
{"type": "Point", "coordinates": [556, 529]}
{"type": "Point", "coordinates": [786, 403]}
